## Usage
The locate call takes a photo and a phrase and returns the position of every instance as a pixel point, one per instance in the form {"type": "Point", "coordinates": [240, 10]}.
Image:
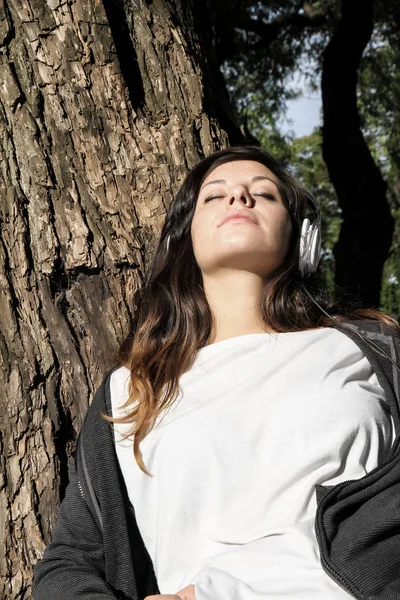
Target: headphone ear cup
{"type": "Point", "coordinates": [310, 247]}
{"type": "Point", "coordinates": [304, 237]}
{"type": "Point", "coordinates": [315, 247]}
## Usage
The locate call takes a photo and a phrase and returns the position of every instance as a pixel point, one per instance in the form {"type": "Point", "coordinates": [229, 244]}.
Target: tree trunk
{"type": "Point", "coordinates": [367, 228]}
{"type": "Point", "coordinates": [104, 106]}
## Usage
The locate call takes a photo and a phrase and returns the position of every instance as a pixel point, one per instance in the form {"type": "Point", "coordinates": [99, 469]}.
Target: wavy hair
{"type": "Point", "coordinates": [173, 319]}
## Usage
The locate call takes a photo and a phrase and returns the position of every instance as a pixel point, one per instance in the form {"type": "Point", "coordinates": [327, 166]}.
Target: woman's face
{"type": "Point", "coordinates": [259, 246]}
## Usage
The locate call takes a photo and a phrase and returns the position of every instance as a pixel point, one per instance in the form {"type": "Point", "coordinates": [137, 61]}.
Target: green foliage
{"type": "Point", "coordinates": [260, 44]}
{"type": "Point", "coordinates": [390, 293]}
{"type": "Point", "coordinates": [378, 102]}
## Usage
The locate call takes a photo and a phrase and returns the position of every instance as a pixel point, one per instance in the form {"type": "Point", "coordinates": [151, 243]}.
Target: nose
{"type": "Point", "coordinates": [239, 192]}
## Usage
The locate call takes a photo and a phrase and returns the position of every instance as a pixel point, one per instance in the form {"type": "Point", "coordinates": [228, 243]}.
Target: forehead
{"type": "Point", "coordinates": [238, 170]}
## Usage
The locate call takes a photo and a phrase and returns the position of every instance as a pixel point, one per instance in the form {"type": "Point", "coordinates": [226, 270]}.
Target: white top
{"type": "Point", "coordinates": [261, 418]}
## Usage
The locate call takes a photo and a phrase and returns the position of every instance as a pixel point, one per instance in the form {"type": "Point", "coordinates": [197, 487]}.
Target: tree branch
{"type": "Point", "coordinates": [270, 31]}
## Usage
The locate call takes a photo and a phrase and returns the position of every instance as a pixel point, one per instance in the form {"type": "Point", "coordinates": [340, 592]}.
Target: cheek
{"type": "Point", "coordinates": [199, 226]}
{"type": "Point", "coordinates": [193, 227]}
{"type": "Point", "coordinates": [289, 234]}
{"type": "Point", "coordinates": [286, 233]}
{"type": "Point", "coordinates": [288, 227]}
{"type": "Point", "coordinates": [198, 231]}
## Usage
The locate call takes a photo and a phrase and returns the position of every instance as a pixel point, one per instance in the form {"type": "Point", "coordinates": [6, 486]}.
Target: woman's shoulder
{"type": "Point", "coordinates": [114, 378]}
{"type": "Point", "coordinates": [119, 374]}
{"type": "Point", "coordinates": [119, 387]}
{"type": "Point", "coordinates": [119, 382]}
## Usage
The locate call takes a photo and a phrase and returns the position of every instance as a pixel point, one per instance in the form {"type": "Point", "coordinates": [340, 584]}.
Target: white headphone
{"type": "Point", "coordinates": [310, 241]}
{"type": "Point", "coordinates": [310, 247]}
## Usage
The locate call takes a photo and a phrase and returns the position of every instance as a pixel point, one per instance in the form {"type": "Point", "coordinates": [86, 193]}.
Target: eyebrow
{"type": "Point", "coordinates": [255, 178]}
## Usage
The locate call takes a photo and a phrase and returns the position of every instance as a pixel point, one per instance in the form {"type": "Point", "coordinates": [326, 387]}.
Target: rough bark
{"type": "Point", "coordinates": [368, 225]}
{"type": "Point", "coordinates": [103, 108]}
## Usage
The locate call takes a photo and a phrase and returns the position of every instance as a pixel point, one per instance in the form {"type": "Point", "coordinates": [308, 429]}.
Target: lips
{"type": "Point", "coordinates": [234, 215]}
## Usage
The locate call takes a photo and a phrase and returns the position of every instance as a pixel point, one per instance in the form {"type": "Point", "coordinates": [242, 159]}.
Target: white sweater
{"type": "Point", "coordinates": [260, 420]}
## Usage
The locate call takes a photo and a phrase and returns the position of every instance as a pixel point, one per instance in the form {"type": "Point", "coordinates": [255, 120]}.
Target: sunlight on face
{"type": "Point", "coordinates": [259, 246]}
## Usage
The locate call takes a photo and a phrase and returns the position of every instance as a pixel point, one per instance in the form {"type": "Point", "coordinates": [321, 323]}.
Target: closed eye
{"type": "Point", "coordinates": [212, 198]}
{"type": "Point", "coordinates": [269, 196]}
{"type": "Point", "coordinates": [264, 195]}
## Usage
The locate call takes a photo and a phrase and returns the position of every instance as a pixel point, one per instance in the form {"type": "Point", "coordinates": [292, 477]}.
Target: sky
{"type": "Point", "coordinates": [304, 111]}
{"type": "Point", "coordinates": [305, 114]}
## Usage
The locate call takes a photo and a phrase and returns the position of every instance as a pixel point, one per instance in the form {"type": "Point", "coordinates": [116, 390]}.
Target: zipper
{"type": "Point", "coordinates": [80, 487]}
{"type": "Point", "coordinates": [78, 481]}
{"type": "Point", "coordinates": [91, 500]}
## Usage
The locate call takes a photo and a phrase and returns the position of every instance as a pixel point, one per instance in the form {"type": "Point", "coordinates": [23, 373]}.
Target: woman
{"type": "Point", "coordinates": [252, 403]}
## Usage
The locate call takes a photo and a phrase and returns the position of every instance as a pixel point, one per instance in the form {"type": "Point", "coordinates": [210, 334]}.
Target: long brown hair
{"type": "Point", "coordinates": [173, 319]}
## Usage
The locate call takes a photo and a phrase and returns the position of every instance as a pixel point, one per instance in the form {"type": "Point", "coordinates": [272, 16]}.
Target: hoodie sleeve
{"type": "Point", "coordinates": [72, 567]}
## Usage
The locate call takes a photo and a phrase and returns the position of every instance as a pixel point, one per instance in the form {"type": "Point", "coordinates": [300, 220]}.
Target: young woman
{"type": "Point", "coordinates": [249, 435]}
